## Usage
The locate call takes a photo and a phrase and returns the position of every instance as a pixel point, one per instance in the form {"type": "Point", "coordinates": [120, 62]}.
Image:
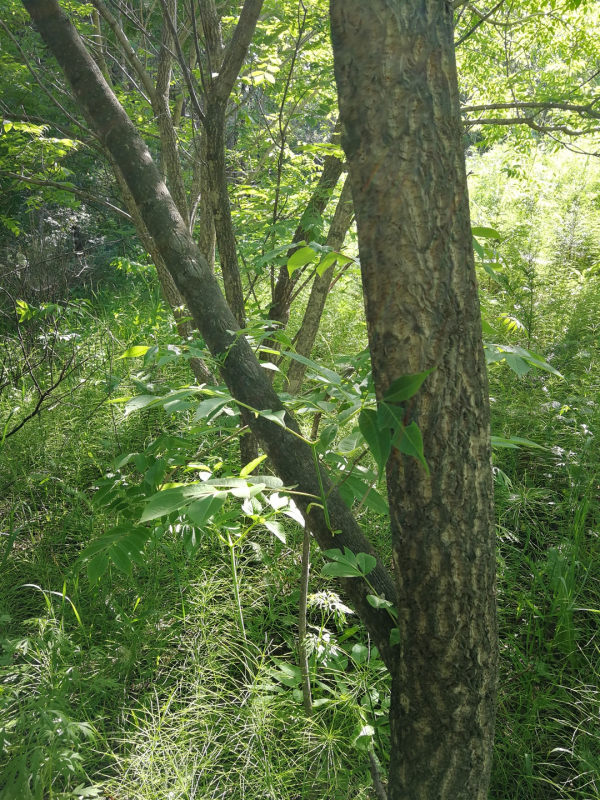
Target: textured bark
{"type": "Point", "coordinates": [311, 320]}
{"type": "Point", "coordinates": [206, 226]}
{"type": "Point", "coordinates": [170, 161]}
{"type": "Point", "coordinates": [396, 76]}
{"type": "Point", "coordinates": [244, 376]}
{"type": "Point", "coordinates": [224, 67]}
{"type": "Point", "coordinates": [100, 47]}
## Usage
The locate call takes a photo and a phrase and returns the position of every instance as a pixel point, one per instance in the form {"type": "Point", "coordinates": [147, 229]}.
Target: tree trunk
{"type": "Point", "coordinates": [282, 293]}
{"type": "Point", "coordinates": [170, 291]}
{"type": "Point", "coordinates": [214, 126]}
{"type": "Point", "coordinates": [397, 85]}
{"type": "Point", "coordinates": [292, 457]}
{"type": "Point", "coordinates": [307, 332]}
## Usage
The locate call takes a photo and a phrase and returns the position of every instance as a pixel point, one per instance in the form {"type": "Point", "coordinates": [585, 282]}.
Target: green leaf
{"type": "Point", "coordinates": [97, 566]}
{"type": "Point", "coordinates": [354, 489]}
{"type": "Point", "coordinates": [405, 387]}
{"type": "Point", "coordinates": [276, 529]}
{"type": "Point", "coordinates": [378, 439]}
{"type": "Point", "coordinates": [517, 364]}
{"type": "Point", "coordinates": [515, 442]}
{"type": "Point", "coordinates": [120, 557]}
{"type": "Point", "coordinates": [363, 740]}
{"type": "Point", "coordinates": [328, 375]}
{"type": "Point", "coordinates": [366, 562]}
{"type": "Point", "coordinates": [200, 511]}
{"type": "Point", "coordinates": [485, 233]}
{"type": "Point", "coordinates": [251, 466]}
{"type": "Point", "coordinates": [288, 674]}
{"type": "Point", "coordinates": [350, 443]}
{"type": "Point", "coordinates": [379, 602]}
{"type": "Point", "coordinates": [348, 565]}
{"type": "Point", "coordinates": [300, 258]}
{"type": "Point", "coordinates": [337, 569]}
{"type": "Point", "coordinates": [210, 406]}
{"type": "Point", "coordinates": [139, 402]}
{"type": "Point", "coordinates": [330, 259]}
{"type": "Point", "coordinates": [410, 442]}
{"type": "Point", "coordinates": [327, 436]}
{"type": "Point", "coordinates": [278, 417]}
{"type": "Point", "coordinates": [165, 502]}
{"type": "Point", "coordinates": [136, 351]}
{"type": "Point", "coordinates": [360, 653]}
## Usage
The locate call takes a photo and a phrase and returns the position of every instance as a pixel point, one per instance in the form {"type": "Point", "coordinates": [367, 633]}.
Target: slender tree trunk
{"type": "Point", "coordinates": [100, 47]}
{"type": "Point", "coordinates": [291, 457]}
{"type": "Point", "coordinates": [307, 332]}
{"type": "Point", "coordinates": [284, 287]}
{"type": "Point", "coordinates": [397, 85]}
{"type": "Point", "coordinates": [170, 161]}
{"type": "Point", "coordinates": [214, 126]}
{"type": "Point", "coordinates": [170, 291]}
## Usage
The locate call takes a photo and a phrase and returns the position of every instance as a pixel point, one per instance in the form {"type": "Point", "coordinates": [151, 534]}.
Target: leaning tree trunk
{"type": "Point", "coordinates": [171, 293]}
{"type": "Point", "coordinates": [397, 85]}
{"type": "Point", "coordinates": [292, 458]}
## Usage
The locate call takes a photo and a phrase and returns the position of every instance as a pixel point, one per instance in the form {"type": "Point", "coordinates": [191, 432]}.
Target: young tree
{"type": "Point", "coordinates": [399, 106]}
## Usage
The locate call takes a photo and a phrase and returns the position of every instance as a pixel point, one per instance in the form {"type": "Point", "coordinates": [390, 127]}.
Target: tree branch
{"type": "Point", "coordinates": [90, 198]}
{"type": "Point", "coordinates": [236, 50]}
{"type": "Point", "coordinates": [127, 48]}
{"type": "Point", "coordinates": [189, 80]}
{"type": "Point", "coordinates": [546, 105]}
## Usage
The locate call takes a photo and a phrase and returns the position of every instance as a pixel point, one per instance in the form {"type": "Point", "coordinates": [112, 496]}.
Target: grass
{"type": "Point", "coordinates": [143, 687]}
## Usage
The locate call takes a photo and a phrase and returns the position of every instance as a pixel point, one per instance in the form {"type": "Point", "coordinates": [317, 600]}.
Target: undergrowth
{"type": "Point", "coordinates": [143, 685]}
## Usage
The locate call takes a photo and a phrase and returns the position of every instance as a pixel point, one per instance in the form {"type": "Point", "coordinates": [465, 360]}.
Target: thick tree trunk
{"type": "Point", "coordinates": [291, 457]}
{"type": "Point", "coordinates": [313, 312]}
{"type": "Point", "coordinates": [396, 75]}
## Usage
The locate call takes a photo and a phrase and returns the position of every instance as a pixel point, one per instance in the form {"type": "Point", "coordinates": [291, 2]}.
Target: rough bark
{"type": "Point", "coordinates": [224, 65]}
{"type": "Point", "coordinates": [402, 137]}
{"type": "Point", "coordinates": [292, 458]}
{"type": "Point", "coordinates": [100, 47]}
{"type": "Point", "coordinates": [218, 196]}
{"type": "Point", "coordinates": [313, 312]}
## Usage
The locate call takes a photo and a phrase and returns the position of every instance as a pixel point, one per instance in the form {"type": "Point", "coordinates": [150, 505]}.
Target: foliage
{"type": "Point", "coordinates": [168, 664]}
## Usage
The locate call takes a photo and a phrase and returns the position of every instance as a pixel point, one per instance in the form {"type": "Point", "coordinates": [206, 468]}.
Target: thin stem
{"type": "Point", "coordinates": [302, 650]}
{"type": "Point", "coordinates": [236, 586]}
